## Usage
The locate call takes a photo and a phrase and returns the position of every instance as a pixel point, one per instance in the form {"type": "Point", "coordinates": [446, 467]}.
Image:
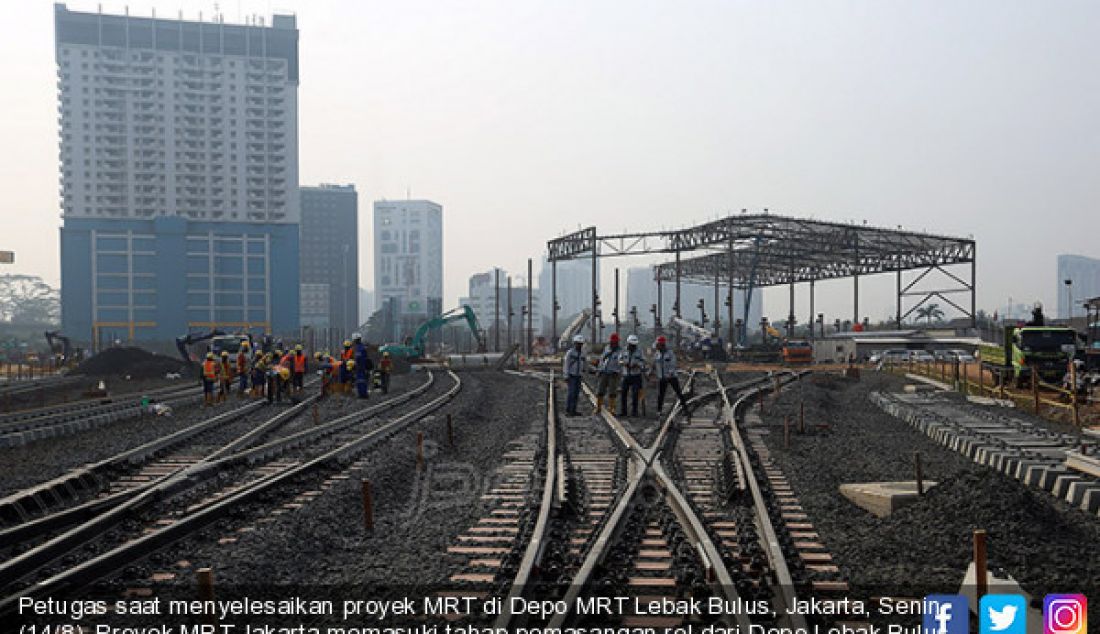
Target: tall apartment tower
{"type": "Point", "coordinates": [330, 258]}
{"type": "Point", "coordinates": [179, 174]}
{"type": "Point", "coordinates": [408, 258]}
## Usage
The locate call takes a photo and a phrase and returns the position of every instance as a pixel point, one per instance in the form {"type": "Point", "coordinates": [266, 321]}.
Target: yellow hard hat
{"type": "Point", "coordinates": [298, 347]}
{"type": "Point", "coordinates": [385, 354]}
{"type": "Point", "coordinates": [259, 353]}
{"type": "Point", "coordinates": [317, 355]}
{"type": "Point", "coordinates": [209, 355]}
{"type": "Point", "coordinates": [351, 364]}
{"type": "Point", "coordinates": [225, 353]}
{"type": "Point", "coordinates": [347, 343]}
{"type": "Point", "coordinates": [244, 343]}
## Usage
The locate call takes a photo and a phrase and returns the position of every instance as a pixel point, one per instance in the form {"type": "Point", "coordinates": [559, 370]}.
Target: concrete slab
{"type": "Point", "coordinates": [1075, 494]}
{"type": "Point", "coordinates": [1085, 464]}
{"type": "Point", "coordinates": [883, 498]}
{"type": "Point", "coordinates": [1091, 501]}
{"type": "Point", "coordinates": [1062, 482]}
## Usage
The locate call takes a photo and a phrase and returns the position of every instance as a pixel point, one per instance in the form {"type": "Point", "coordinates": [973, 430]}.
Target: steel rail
{"type": "Point", "coordinates": [88, 571]}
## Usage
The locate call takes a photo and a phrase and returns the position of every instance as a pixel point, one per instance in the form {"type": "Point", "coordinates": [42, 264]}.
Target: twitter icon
{"type": "Point", "coordinates": [1002, 614]}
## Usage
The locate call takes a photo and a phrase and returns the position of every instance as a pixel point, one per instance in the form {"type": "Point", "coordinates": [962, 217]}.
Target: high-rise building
{"type": "Point", "coordinates": [641, 291]}
{"type": "Point", "coordinates": [330, 257]}
{"type": "Point", "coordinates": [1084, 274]}
{"type": "Point", "coordinates": [574, 289]}
{"type": "Point", "coordinates": [179, 175]}
{"type": "Point", "coordinates": [482, 299]}
{"type": "Point", "coordinates": [408, 258]}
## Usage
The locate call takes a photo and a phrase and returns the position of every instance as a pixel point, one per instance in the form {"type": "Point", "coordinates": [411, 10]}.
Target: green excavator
{"type": "Point", "coordinates": [413, 348]}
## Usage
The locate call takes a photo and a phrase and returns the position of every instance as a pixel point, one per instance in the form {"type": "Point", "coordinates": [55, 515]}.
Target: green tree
{"type": "Point", "coordinates": [931, 312]}
{"type": "Point", "coordinates": [26, 299]}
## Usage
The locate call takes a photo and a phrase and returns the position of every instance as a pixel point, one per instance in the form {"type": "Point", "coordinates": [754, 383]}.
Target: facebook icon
{"type": "Point", "coordinates": [946, 614]}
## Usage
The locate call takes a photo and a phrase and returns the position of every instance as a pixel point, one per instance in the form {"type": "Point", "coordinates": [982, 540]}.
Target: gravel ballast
{"type": "Point", "coordinates": [1043, 543]}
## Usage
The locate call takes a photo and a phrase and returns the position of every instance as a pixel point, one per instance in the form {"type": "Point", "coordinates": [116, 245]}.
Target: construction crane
{"type": "Point", "coordinates": [575, 326]}
{"type": "Point", "coordinates": [413, 347]}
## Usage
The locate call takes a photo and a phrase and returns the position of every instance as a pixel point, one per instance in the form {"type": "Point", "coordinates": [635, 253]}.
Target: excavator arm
{"type": "Point", "coordinates": [182, 343]}
{"type": "Point", "coordinates": [416, 345]}
{"type": "Point", "coordinates": [66, 345]}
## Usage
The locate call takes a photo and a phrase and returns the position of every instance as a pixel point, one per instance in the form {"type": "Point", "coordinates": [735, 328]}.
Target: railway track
{"type": "Point", "coordinates": [20, 428]}
{"type": "Point", "coordinates": [178, 504]}
{"type": "Point", "coordinates": [643, 536]}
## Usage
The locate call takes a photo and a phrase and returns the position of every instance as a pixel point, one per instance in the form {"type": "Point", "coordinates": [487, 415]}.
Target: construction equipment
{"type": "Point", "coordinates": [413, 348]}
{"type": "Point", "coordinates": [1046, 349]}
{"type": "Point", "coordinates": [1092, 335]}
{"type": "Point", "coordinates": [60, 346]}
{"type": "Point", "coordinates": [183, 343]}
{"type": "Point", "coordinates": [797, 352]}
{"type": "Point", "coordinates": [565, 342]}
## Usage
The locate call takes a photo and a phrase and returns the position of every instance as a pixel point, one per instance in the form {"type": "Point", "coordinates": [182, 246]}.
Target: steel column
{"type": "Point", "coordinates": [855, 285]}
{"type": "Point", "coordinates": [717, 306]}
{"type": "Point", "coordinates": [554, 304]}
{"type": "Point", "coordinates": [790, 314]}
{"type": "Point", "coordinates": [594, 298]}
{"type": "Point", "coordinates": [496, 313]}
{"type": "Point", "coordinates": [812, 315]}
{"type": "Point", "coordinates": [974, 289]}
{"type": "Point", "coordinates": [616, 299]}
{"type": "Point", "coordinates": [530, 308]}
{"type": "Point", "coordinates": [899, 300]}
{"type": "Point", "coordinates": [510, 312]}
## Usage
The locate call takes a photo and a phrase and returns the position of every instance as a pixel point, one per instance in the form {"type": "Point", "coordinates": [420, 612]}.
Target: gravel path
{"type": "Point", "coordinates": [1045, 544]}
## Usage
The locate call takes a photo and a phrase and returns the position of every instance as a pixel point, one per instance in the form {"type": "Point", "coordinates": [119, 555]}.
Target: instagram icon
{"type": "Point", "coordinates": [1065, 614]}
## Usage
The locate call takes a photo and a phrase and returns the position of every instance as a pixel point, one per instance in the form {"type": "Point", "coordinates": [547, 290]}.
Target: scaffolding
{"type": "Point", "coordinates": [748, 251]}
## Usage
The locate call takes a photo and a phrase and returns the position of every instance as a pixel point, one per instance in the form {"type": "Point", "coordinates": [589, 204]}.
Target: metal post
{"type": "Point", "coordinates": [496, 312]}
{"type": "Point", "coordinates": [811, 322]}
{"type": "Point", "coordinates": [899, 299]}
{"type": "Point", "coordinates": [554, 304]}
{"type": "Point", "coordinates": [509, 314]}
{"type": "Point", "coordinates": [530, 308]}
{"type": "Point", "coordinates": [616, 299]}
{"type": "Point", "coordinates": [981, 580]}
{"type": "Point", "coordinates": [790, 313]}
{"type": "Point", "coordinates": [855, 287]}
{"type": "Point", "coordinates": [594, 292]}
{"type": "Point", "coordinates": [974, 288]}
{"type": "Point", "coordinates": [677, 305]}
{"type": "Point", "coordinates": [658, 315]}
{"type": "Point", "coordinates": [920, 473]}
{"type": "Point", "coordinates": [717, 306]}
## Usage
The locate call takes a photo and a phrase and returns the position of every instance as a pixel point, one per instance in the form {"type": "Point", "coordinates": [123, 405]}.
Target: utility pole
{"type": "Point", "coordinates": [496, 314]}
{"type": "Point", "coordinates": [530, 308]}
{"type": "Point", "coordinates": [510, 313]}
{"type": "Point", "coordinates": [616, 313]}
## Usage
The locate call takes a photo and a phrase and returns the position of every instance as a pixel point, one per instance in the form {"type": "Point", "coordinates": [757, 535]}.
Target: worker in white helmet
{"type": "Point", "coordinates": [633, 366]}
{"type": "Point", "coordinates": [572, 367]}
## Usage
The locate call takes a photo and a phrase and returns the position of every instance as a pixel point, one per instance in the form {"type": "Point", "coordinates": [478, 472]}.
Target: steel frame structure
{"type": "Point", "coordinates": [747, 251]}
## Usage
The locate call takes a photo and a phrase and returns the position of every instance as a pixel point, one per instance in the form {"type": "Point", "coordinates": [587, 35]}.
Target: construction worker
{"type": "Point", "coordinates": [607, 374]}
{"type": "Point", "coordinates": [300, 366]}
{"type": "Point", "coordinates": [347, 355]}
{"type": "Point", "coordinates": [279, 378]}
{"type": "Point", "coordinates": [259, 374]}
{"type": "Point", "coordinates": [349, 375]}
{"type": "Point", "coordinates": [385, 368]}
{"type": "Point", "coordinates": [664, 367]}
{"type": "Point", "coordinates": [363, 366]}
{"type": "Point", "coordinates": [226, 376]}
{"type": "Point", "coordinates": [572, 367]}
{"type": "Point", "coordinates": [633, 367]}
{"type": "Point", "coordinates": [242, 369]}
{"type": "Point", "coordinates": [209, 379]}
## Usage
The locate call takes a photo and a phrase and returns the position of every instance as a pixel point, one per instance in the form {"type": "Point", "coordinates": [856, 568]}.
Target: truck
{"type": "Point", "coordinates": [797, 352]}
{"type": "Point", "coordinates": [1045, 349]}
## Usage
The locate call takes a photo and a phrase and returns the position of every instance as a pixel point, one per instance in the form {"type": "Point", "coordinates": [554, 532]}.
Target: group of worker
{"type": "Point", "coordinates": [277, 374]}
{"type": "Point", "coordinates": [620, 375]}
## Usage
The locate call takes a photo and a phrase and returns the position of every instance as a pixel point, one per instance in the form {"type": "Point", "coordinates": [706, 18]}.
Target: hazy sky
{"type": "Point", "coordinates": [525, 119]}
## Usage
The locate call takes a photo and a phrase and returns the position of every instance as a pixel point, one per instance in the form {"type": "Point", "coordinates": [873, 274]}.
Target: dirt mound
{"type": "Point", "coordinates": [135, 362]}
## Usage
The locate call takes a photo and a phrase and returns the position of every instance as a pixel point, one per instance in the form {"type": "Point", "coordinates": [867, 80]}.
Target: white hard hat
{"type": "Point", "coordinates": [356, 336]}
{"type": "Point", "coordinates": [632, 340]}
{"type": "Point", "coordinates": [578, 338]}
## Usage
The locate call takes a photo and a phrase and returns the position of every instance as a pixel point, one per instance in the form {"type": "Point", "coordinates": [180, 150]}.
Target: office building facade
{"type": "Point", "coordinates": [408, 258]}
{"type": "Point", "coordinates": [329, 262]}
{"type": "Point", "coordinates": [179, 172]}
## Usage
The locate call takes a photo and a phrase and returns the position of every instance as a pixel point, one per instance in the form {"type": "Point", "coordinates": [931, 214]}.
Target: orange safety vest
{"type": "Point", "coordinates": [299, 363]}
{"type": "Point", "coordinates": [210, 369]}
{"type": "Point", "coordinates": [386, 364]}
{"type": "Point", "coordinates": [227, 370]}
{"type": "Point", "coordinates": [242, 362]}
{"type": "Point", "coordinates": [349, 353]}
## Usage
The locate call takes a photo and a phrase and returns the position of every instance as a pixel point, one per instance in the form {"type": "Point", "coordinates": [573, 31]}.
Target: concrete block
{"type": "Point", "coordinates": [1061, 484]}
{"type": "Point", "coordinates": [1049, 476]}
{"type": "Point", "coordinates": [883, 498]}
{"type": "Point", "coordinates": [1075, 494]}
{"type": "Point", "coordinates": [1091, 500]}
